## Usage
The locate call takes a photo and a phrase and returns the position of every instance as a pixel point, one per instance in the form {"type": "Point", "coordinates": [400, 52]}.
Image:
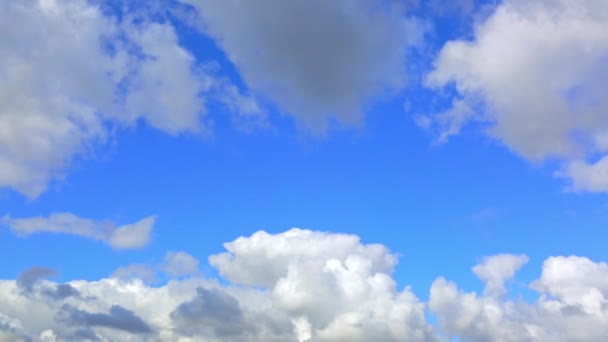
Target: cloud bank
{"type": "Point", "coordinates": [304, 285]}
{"type": "Point", "coordinates": [319, 287]}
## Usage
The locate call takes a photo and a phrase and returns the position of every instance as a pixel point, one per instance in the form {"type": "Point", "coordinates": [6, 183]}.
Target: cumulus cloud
{"type": "Point", "coordinates": [129, 236]}
{"type": "Point", "coordinates": [572, 306]}
{"type": "Point", "coordinates": [262, 259]}
{"type": "Point", "coordinates": [72, 71]}
{"type": "Point", "coordinates": [330, 288]}
{"type": "Point", "coordinates": [497, 269]}
{"type": "Point", "coordinates": [317, 60]}
{"type": "Point", "coordinates": [535, 75]}
{"type": "Point", "coordinates": [319, 287]}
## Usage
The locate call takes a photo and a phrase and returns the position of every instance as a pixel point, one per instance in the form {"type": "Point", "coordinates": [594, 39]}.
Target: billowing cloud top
{"type": "Point", "coordinates": [320, 286]}
{"type": "Point", "coordinates": [310, 294]}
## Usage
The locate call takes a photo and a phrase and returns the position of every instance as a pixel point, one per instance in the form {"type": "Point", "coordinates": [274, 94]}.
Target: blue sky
{"type": "Point", "coordinates": [446, 133]}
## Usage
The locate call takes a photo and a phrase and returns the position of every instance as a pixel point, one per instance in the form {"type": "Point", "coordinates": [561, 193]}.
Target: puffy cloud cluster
{"type": "Point", "coordinates": [303, 285]}
{"type": "Point", "coordinates": [134, 235]}
{"type": "Point", "coordinates": [572, 304]}
{"type": "Point", "coordinates": [496, 270]}
{"type": "Point", "coordinates": [295, 286]}
{"type": "Point", "coordinates": [339, 288]}
{"type": "Point", "coordinates": [535, 74]}
{"type": "Point", "coordinates": [317, 60]}
{"type": "Point", "coordinates": [72, 70]}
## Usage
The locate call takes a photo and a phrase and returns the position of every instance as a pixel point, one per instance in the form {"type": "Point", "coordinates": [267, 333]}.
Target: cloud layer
{"type": "Point", "coordinates": [535, 74]}
{"type": "Point", "coordinates": [303, 285]}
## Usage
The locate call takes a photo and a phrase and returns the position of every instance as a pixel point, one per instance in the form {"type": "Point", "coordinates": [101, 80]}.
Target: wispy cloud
{"type": "Point", "coordinates": [128, 236]}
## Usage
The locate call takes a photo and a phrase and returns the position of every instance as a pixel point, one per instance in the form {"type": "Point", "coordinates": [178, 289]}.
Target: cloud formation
{"type": "Point", "coordinates": [73, 72]}
{"type": "Point", "coordinates": [129, 236]}
{"type": "Point", "coordinates": [319, 287]}
{"type": "Point", "coordinates": [534, 74]}
{"type": "Point", "coordinates": [572, 305]}
{"type": "Point", "coordinates": [336, 289]}
{"type": "Point", "coordinates": [330, 70]}
{"type": "Point", "coordinates": [498, 269]}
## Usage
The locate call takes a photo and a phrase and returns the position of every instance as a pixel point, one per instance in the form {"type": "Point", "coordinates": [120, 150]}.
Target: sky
{"type": "Point", "coordinates": [303, 170]}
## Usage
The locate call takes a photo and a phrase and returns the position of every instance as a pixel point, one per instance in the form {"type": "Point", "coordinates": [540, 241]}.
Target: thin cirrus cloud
{"type": "Point", "coordinates": [128, 236]}
{"type": "Point", "coordinates": [538, 71]}
{"type": "Point", "coordinates": [341, 289]}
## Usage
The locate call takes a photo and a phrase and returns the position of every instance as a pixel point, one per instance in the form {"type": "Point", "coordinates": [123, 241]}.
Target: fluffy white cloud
{"type": "Point", "coordinates": [71, 71]}
{"type": "Point", "coordinates": [535, 72]}
{"type": "Point", "coordinates": [127, 236]}
{"type": "Point", "coordinates": [329, 69]}
{"type": "Point", "coordinates": [343, 288]}
{"type": "Point", "coordinates": [55, 78]}
{"type": "Point", "coordinates": [262, 259]}
{"type": "Point", "coordinates": [572, 306]}
{"type": "Point", "coordinates": [497, 269]}
{"type": "Point", "coordinates": [322, 287]}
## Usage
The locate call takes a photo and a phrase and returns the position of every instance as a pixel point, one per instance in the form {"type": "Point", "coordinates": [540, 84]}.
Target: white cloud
{"type": "Point", "coordinates": [166, 87]}
{"type": "Point", "coordinates": [323, 287]}
{"type": "Point", "coordinates": [54, 81]}
{"type": "Point", "coordinates": [326, 70]}
{"type": "Point", "coordinates": [72, 73]}
{"type": "Point", "coordinates": [572, 306]}
{"type": "Point", "coordinates": [538, 71]}
{"type": "Point", "coordinates": [587, 176]}
{"type": "Point", "coordinates": [263, 259]}
{"type": "Point", "coordinates": [127, 236]}
{"type": "Point", "coordinates": [497, 269]}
